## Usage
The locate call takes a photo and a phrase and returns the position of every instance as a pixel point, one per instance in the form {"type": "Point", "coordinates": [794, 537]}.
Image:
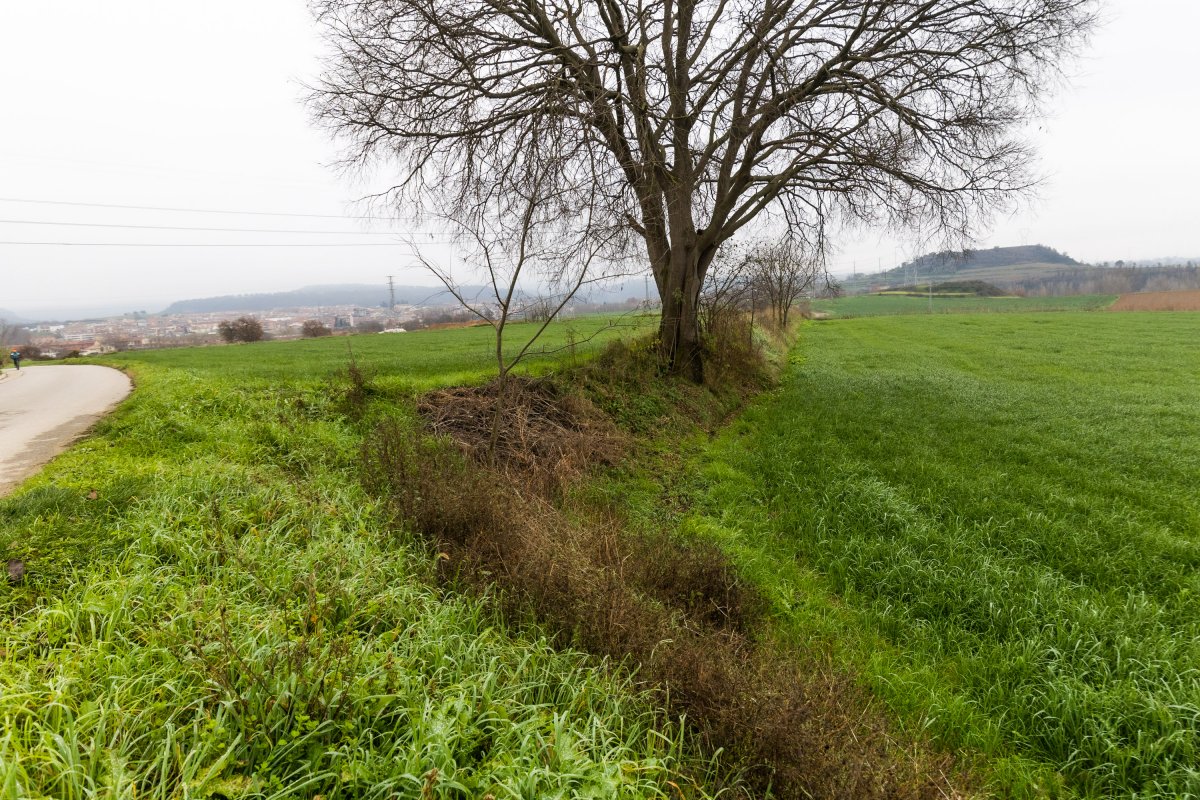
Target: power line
{"type": "Point", "coordinates": [195, 228]}
{"type": "Point", "coordinates": [187, 210]}
{"type": "Point", "coordinates": [212, 244]}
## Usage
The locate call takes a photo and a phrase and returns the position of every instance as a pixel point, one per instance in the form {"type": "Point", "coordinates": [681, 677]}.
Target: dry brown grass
{"type": "Point", "coordinates": [445, 326]}
{"type": "Point", "coordinates": [733, 357]}
{"type": "Point", "coordinates": [524, 427]}
{"type": "Point", "coordinates": [676, 610]}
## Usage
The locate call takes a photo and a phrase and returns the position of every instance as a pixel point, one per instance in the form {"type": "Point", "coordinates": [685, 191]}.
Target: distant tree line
{"type": "Point", "coordinates": [975, 288]}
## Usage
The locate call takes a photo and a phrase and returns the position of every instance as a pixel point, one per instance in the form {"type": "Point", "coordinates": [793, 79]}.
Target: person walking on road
{"type": "Point", "coordinates": [15, 355]}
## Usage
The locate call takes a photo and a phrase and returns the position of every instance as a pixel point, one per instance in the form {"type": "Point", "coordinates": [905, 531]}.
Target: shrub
{"type": "Point", "coordinates": [313, 328]}
{"type": "Point", "coordinates": [242, 329]}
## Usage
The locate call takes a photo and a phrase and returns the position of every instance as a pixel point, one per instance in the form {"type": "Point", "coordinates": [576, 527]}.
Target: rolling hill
{"type": "Point", "coordinates": [1034, 270]}
{"type": "Point", "coordinates": [372, 295]}
{"type": "Point", "coordinates": [335, 294]}
{"type": "Point", "coordinates": [1000, 262]}
{"type": "Point", "coordinates": [996, 257]}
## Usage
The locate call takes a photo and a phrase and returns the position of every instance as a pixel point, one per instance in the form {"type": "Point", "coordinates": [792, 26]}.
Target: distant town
{"type": "Point", "coordinates": [1028, 271]}
{"type": "Point", "coordinates": [140, 330]}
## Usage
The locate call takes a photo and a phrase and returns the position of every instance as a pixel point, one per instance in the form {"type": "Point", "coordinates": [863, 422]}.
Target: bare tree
{"type": "Point", "coordinates": [540, 308]}
{"type": "Point", "coordinates": [518, 231]}
{"type": "Point", "coordinates": [680, 122]}
{"type": "Point", "coordinates": [313, 328]}
{"type": "Point", "coordinates": [783, 271]}
{"type": "Point", "coordinates": [726, 286]}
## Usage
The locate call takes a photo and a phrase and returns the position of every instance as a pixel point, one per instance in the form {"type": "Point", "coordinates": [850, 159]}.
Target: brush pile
{"type": "Point", "coordinates": [524, 425]}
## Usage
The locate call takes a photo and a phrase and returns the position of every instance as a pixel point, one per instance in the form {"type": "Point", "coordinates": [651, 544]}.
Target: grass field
{"type": "Point", "coordinates": [402, 361]}
{"type": "Point", "coordinates": [996, 518]}
{"type": "Point", "coordinates": [991, 518]}
{"type": "Point", "coordinates": [214, 607]}
{"type": "Point", "coordinates": [875, 305]}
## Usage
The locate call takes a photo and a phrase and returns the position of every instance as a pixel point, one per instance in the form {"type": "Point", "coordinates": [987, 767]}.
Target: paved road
{"type": "Point", "coordinates": [44, 409]}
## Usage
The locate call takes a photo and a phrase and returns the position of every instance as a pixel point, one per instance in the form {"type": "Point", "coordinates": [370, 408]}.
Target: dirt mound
{"type": "Point", "coordinates": [1158, 301]}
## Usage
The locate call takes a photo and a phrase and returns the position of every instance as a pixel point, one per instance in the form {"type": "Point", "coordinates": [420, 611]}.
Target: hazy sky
{"type": "Point", "coordinates": [192, 105]}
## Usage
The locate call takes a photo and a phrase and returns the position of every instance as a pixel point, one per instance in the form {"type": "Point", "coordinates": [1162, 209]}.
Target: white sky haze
{"type": "Point", "coordinates": [198, 105]}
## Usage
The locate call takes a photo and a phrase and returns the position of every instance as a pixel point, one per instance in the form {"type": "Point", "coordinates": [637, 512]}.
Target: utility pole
{"type": "Point", "coordinates": [391, 294]}
{"type": "Point", "coordinates": [753, 304]}
{"type": "Point", "coordinates": [931, 292]}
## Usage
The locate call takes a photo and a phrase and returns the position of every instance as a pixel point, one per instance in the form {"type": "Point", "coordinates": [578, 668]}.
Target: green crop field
{"type": "Point", "coordinates": [214, 607]}
{"type": "Point", "coordinates": [990, 518]}
{"type": "Point", "coordinates": [996, 518]}
{"type": "Point", "coordinates": [413, 361]}
{"type": "Point", "coordinates": [874, 305]}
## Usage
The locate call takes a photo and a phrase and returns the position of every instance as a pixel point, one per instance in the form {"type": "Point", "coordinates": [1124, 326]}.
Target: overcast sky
{"type": "Point", "coordinates": [168, 104]}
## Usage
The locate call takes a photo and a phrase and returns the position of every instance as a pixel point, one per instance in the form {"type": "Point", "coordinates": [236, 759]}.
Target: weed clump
{"type": "Point", "coordinates": [697, 578]}
{"type": "Point", "coordinates": [428, 484]}
{"type": "Point", "coordinates": [734, 352]}
{"type": "Point", "coordinates": [353, 390]}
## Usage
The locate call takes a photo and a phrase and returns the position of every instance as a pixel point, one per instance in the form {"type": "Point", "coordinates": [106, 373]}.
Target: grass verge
{"type": "Point", "coordinates": [214, 607]}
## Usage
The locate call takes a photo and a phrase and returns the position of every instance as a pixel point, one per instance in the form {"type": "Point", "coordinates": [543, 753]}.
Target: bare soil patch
{"type": "Point", "coordinates": [445, 326]}
{"type": "Point", "coordinates": [1158, 301]}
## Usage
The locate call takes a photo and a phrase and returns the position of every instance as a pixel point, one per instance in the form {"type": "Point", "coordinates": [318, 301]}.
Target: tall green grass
{"type": "Point", "coordinates": [231, 615]}
{"type": "Point", "coordinates": [995, 517]}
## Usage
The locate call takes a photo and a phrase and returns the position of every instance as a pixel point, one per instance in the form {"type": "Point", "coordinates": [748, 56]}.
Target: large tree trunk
{"type": "Point", "coordinates": [679, 328]}
{"type": "Point", "coordinates": [681, 351]}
